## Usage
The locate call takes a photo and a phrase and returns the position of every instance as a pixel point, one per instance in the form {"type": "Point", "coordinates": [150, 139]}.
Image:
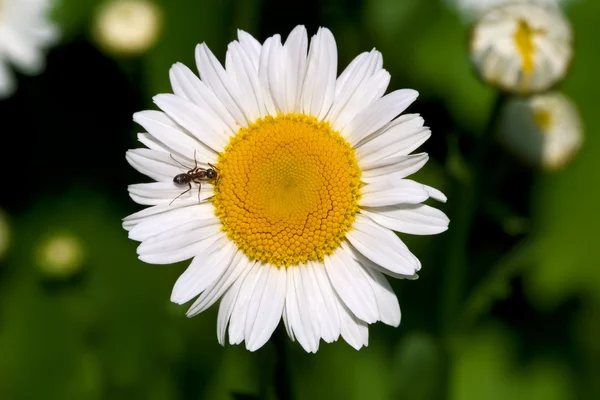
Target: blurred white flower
{"type": "Point", "coordinates": [544, 130]}
{"type": "Point", "coordinates": [25, 33]}
{"type": "Point", "coordinates": [60, 255]}
{"type": "Point", "coordinates": [305, 186]}
{"type": "Point", "coordinates": [127, 27]}
{"type": "Point", "coordinates": [471, 9]}
{"type": "Point", "coordinates": [522, 48]}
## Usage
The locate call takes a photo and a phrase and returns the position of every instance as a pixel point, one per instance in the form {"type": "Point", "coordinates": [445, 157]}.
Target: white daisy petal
{"type": "Point", "coordinates": [379, 113]}
{"type": "Point", "coordinates": [288, 328]}
{"type": "Point", "coordinates": [202, 272]}
{"type": "Point", "coordinates": [251, 46]}
{"type": "Point", "coordinates": [296, 47]}
{"type": "Point", "coordinates": [163, 129]}
{"type": "Point", "coordinates": [167, 192]}
{"type": "Point", "coordinates": [362, 67]}
{"type": "Point", "coordinates": [204, 126]}
{"type": "Point", "coordinates": [367, 263]}
{"type": "Point", "coordinates": [318, 93]}
{"type": "Point", "coordinates": [366, 93]}
{"type": "Point", "coordinates": [237, 322]}
{"type": "Point", "coordinates": [351, 81]}
{"type": "Point", "coordinates": [188, 86]}
{"type": "Point", "coordinates": [325, 301]}
{"type": "Point", "coordinates": [266, 307]}
{"type": "Point", "coordinates": [213, 293]}
{"type": "Point", "coordinates": [154, 144]}
{"type": "Point", "coordinates": [227, 305]}
{"type": "Point", "coordinates": [276, 65]}
{"type": "Point", "coordinates": [387, 193]}
{"type": "Point", "coordinates": [159, 218]}
{"type": "Point", "coordinates": [387, 302]}
{"type": "Point", "coordinates": [402, 131]}
{"type": "Point", "coordinates": [248, 74]}
{"type": "Point", "coordinates": [264, 72]}
{"type": "Point", "coordinates": [416, 219]}
{"type": "Point", "coordinates": [298, 312]}
{"type": "Point", "coordinates": [436, 194]}
{"type": "Point", "coordinates": [382, 246]}
{"type": "Point", "coordinates": [354, 331]}
{"type": "Point", "coordinates": [240, 67]}
{"type": "Point", "coordinates": [396, 168]}
{"type": "Point", "coordinates": [177, 239]}
{"type": "Point", "coordinates": [157, 165]}
{"type": "Point", "coordinates": [214, 75]}
{"type": "Point", "coordinates": [352, 285]}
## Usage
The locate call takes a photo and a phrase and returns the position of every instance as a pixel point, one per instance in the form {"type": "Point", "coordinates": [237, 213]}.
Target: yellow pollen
{"type": "Point", "coordinates": [542, 119]}
{"type": "Point", "coordinates": [524, 40]}
{"type": "Point", "coordinates": [288, 189]}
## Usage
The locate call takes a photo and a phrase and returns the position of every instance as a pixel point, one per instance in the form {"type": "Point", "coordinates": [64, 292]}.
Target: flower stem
{"type": "Point", "coordinates": [467, 200]}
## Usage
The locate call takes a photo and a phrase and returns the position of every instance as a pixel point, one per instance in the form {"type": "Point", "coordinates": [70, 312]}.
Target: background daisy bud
{"type": "Point", "coordinates": [544, 130]}
{"type": "Point", "coordinates": [128, 27]}
{"type": "Point", "coordinates": [474, 8]}
{"type": "Point", "coordinates": [25, 33]}
{"type": "Point", "coordinates": [60, 256]}
{"type": "Point", "coordinates": [522, 47]}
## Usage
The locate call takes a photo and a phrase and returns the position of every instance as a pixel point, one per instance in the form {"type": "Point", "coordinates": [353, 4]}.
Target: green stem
{"type": "Point", "coordinates": [467, 200]}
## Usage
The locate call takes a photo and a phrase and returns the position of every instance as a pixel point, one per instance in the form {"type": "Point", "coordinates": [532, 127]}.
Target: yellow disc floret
{"type": "Point", "coordinates": [288, 189]}
{"type": "Point", "coordinates": [524, 40]}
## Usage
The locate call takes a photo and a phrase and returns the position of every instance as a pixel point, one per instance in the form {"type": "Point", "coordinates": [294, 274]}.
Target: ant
{"type": "Point", "coordinates": [194, 175]}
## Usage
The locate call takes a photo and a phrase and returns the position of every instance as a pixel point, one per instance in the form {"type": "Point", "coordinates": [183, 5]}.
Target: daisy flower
{"type": "Point", "coordinates": [522, 47]}
{"type": "Point", "coordinates": [25, 32]}
{"type": "Point", "coordinates": [298, 223]}
{"type": "Point", "coordinates": [544, 130]}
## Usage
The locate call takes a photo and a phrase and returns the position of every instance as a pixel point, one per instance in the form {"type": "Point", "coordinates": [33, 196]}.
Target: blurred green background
{"type": "Point", "coordinates": [510, 311]}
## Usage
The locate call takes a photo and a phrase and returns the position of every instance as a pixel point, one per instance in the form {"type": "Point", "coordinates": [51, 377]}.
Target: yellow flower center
{"type": "Point", "coordinates": [524, 40]}
{"type": "Point", "coordinates": [542, 119]}
{"type": "Point", "coordinates": [288, 189]}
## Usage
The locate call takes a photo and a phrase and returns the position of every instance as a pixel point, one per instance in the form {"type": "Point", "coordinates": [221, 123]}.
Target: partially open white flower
{"type": "Point", "coordinates": [25, 34]}
{"type": "Point", "coordinates": [544, 130]}
{"type": "Point", "coordinates": [522, 48]}
{"type": "Point", "coordinates": [128, 27]}
{"type": "Point", "coordinates": [306, 178]}
{"type": "Point", "coordinates": [471, 9]}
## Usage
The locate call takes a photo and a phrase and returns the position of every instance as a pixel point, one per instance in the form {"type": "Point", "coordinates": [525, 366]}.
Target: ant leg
{"type": "Point", "coordinates": [195, 161]}
{"type": "Point", "coordinates": [199, 186]}
{"type": "Point", "coordinates": [177, 161]}
{"type": "Point", "coordinates": [181, 194]}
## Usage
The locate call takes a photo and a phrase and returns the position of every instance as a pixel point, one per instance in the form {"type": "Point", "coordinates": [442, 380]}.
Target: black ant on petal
{"type": "Point", "coordinates": [194, 175]}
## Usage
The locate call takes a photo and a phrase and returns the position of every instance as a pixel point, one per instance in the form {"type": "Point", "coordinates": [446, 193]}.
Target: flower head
{"type": "Point", "coordinates": [289, 182]}
{"type": "Point", "coordinates": [25, 32]}
{"type": "Point", "coordinates": [544, 130]}
{"type": "Point", "coordinates": [522, 47]}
